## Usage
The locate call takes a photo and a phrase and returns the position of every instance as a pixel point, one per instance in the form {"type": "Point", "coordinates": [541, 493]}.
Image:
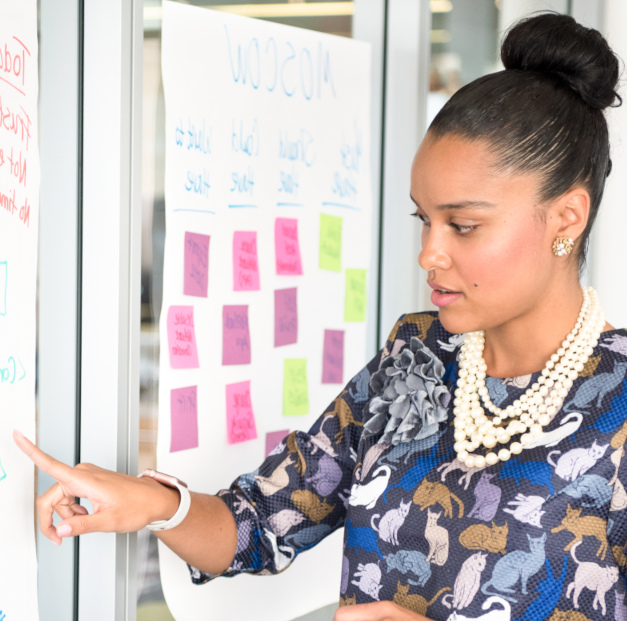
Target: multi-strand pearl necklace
{"type": "Point", "coordinates": [531, 411]}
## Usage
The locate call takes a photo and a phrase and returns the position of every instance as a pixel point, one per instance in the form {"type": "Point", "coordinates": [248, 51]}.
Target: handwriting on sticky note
{"type": "Point", "coordinates": [285, 317]}
{"type": "Point", "coordinates": [235, 335]}
{"type": "Point", "coordinates": [196, 276]}
{"type": "Point", "coordinates": [330, 243]}
{"type": "Point", "coordinates": [295, 391]}
{"type": "Point", "coordinates": [274, 438]}
{"type": "Point", "coordinates": [245, 262]}
{"type": "Point", "coordinates": [333, 357]}
{"type": "Point", "coordinates": [184, 418]}
{"type": "Point", "coordinates": [286, 247]}
{"type": "Point", "coordinates": [240, 419]}
{"type": "Point", "coordinates": [355, 300]}
{"type": "Point", "coordinates": [182, 338]}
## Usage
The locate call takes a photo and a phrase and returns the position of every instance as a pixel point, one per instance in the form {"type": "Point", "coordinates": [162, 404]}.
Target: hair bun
{"type": "Point", "coordinates": [556, 44]}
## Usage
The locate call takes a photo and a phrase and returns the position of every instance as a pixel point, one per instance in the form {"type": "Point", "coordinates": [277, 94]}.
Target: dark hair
{"type": "Point", "coordinates": [544, 112]}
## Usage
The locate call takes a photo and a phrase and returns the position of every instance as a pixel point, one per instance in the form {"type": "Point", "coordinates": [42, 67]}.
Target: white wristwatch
{"type": "Point", "coordinates": [169, 481]}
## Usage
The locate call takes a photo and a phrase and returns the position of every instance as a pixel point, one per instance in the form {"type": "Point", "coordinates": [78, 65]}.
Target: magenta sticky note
{"type": "Point", "coordinates": [285, 317]}
{"type": "Point", "coordinates": [240, 420]}
{"type": "Point", "coordinates": [286, 247]}
{"type": "Point", "coordinates": [182, 338]}
{"type": "Point", "coordinates": [235, 335]}
{"type": "Point", "coordinates": [196, 264]}
{"type": "Point", "coordinates": [184, 418]}
{"type": "Point", "coordinates": [333, 357]}
{"type": "Point", "coordinates": [273, 438]}
{"type": "Point", "coordinates": [245, 262]}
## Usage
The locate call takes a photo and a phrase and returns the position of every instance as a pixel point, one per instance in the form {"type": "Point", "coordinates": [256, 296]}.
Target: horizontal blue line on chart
{"type": "Point", "coordinates": [198, 211]}
{"type": "Point", "coordinates": [343, 205]}
{"type": "Point", "coordinates": [289, 205]}
{"type": "Point", "coordinates": [242, 206]}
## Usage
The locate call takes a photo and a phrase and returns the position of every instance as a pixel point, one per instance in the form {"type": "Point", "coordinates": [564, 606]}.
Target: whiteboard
{"type": "Point", "coordinates": [268, 210]}
{"type": "Point", "coordinates": [19, 219]}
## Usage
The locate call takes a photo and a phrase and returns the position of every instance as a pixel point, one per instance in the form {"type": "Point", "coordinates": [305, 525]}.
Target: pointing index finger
{"type": "Point", "coordinates": [43, 461]}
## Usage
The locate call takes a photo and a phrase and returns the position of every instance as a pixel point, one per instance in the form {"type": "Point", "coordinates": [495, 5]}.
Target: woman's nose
{"type": "Point", "coordinates": [434, 253]}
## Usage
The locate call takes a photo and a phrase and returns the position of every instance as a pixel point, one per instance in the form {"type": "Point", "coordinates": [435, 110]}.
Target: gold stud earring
{"type": "Point", "coordinates": [562, 246]}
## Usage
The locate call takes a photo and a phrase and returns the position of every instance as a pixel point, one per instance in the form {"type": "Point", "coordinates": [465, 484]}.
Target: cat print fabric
{"type": "Point", "coordinates": [540, 536]}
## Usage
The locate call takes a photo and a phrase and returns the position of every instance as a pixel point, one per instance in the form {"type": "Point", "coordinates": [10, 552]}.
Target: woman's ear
{"type": "Point", "coordinates": [571, 213]}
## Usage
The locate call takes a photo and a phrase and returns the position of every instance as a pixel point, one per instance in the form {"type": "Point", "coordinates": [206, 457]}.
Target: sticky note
{"type": "Point", "coordinates": [240, 420]}
{"type": "Point", "coordinates": [3, 288]}
{"type": "Point", "coordinates": [182, 338]}
{"type": "Point", "coordinates": [330, 243]}
{"type": "Point", "coordinates": [285, 317]}
{"type": "Point", "coordinates": [286, 247]}
{"type": "Point", "coordinates": [355, 300]}
{"type": "Point", "coordinates": [295, 392]}
{"type": "Point", "coordinates": [196, 275]}
{"type": "Point", "coordinates": [235, 335]}
{"type": "Point", "coordinates": [245, 262]}
{"type": "Point", "coordinates": [274, 438]}
{"type": "Point", "coordinates": [333, 357]}
{"type": "Point", "coordinates": [184, 418]}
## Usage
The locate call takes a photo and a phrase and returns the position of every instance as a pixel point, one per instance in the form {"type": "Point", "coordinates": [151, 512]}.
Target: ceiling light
{"type": "Point", "coordinates": [441, 6]}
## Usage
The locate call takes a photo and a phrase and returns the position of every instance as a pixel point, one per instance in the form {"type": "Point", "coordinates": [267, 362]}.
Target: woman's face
{"type": "Point", "coordinates": [482, 238]}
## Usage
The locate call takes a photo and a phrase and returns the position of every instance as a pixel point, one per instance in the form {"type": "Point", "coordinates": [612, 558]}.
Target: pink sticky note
{"type": "Point", "coordinates": [182, 338]}
{"type": "Point", "coordinates": [240, 420]}
{"type": "Point", "coordinates": [196, 264]}
{"type": "Point", "coordinates": [235, 335]}
{"type": "Point", "coordinates": [273, 438]}
{"type": "Point", "coordinates": [285, 317]}
{"type": "Point", "coordinates": [245, 263]}
{"type": "Point", "coordinates": [286, 246]}
{"type": "Point", "coordinates": [333, 357]}
{"type": "Point", "coordinates": [184, 417]}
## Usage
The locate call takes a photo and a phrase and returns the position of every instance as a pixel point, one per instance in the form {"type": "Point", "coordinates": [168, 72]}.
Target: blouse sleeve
{"type": "Point", "coordinates": [617, 519]}
{"type": "Point", "coordinates": [298, 495]}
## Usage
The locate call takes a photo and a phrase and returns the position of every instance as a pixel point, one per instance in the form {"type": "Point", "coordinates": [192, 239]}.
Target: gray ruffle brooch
{"type": "Point", "coordinates": [410, 400]}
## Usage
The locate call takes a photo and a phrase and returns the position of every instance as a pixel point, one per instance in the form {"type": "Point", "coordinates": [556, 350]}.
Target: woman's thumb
{"type": "Point", "coordinates": [83, 524]}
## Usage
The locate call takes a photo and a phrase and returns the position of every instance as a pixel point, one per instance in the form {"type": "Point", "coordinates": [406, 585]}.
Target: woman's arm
{"type": "Point", "coordinates": [121, 503]}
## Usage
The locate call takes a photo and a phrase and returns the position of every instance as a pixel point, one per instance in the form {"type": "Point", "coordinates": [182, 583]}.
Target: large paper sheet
{"type": "Point", "coordinates": [19, 218]}
{"type": "Point", "coordinates": [268, 211]}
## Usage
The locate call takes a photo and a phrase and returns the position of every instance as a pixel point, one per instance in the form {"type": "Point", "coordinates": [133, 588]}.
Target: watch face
{"type": "Point", "coordinates": [165, 479]}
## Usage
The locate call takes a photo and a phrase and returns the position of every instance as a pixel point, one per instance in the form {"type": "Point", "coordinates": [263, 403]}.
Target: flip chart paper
{"type": "Point", "coordinates": [182, 338]}
{"type": "Point", "coordinates": [333, 357]}
{"type": "Point", "coordinates": [245, 262]}
{"type": "Point", "coordinates": [257, 148]}
{"type": "Point", "coordinates": [286, 246]}
{"type": "Point", "coordinates": [19, 233]}
{"type": "Point", "coordinates": [355, 304]}
{"type": "Point", "coordinates": [295, 389]}
{"type": "Point", "coordinates": [330, 243]}
{"type": "Point", "coordinates": [196, 264]}
{"type": "Point", "coordinates": [274, 438]}
{"type": "Point", "coordinates": [235, 335]}
{"type": "Point", "coordinates": [285, 317]}
{"type": "Point", "coordinates": [184, 413]}
{"type": "Point", "coordinates": [240, 420]}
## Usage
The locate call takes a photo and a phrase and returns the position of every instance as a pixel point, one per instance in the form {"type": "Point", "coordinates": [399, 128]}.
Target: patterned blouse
{"type": "Point", "coordinates": [540, 536]}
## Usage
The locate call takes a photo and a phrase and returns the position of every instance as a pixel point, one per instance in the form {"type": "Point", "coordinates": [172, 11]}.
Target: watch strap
{"type": "Point", "coordinates": [184, 503]}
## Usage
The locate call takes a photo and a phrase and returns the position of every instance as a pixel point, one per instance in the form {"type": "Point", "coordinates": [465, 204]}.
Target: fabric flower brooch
{"type": "Point", "coordinates": [410, 399]}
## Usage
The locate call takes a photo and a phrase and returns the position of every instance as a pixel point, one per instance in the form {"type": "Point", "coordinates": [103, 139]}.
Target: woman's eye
{"type": "Point", "coordinates": [463, 229]}
{"type": "Point", "coordinates": [415, 214]}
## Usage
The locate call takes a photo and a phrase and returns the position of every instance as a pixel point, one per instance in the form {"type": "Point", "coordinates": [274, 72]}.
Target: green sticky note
{"type": "Point", "coordinates": [330, 243]}
{"type": "Point", "coordinates": [295, 393]}
{"type": "Point", "coordinates": [355, 300]}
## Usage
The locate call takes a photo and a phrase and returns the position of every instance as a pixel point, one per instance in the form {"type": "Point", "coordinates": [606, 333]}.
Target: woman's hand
{"type": "Point", "coordinates": [377, 611]}
{"type": "Point", "coordinates": [121, 503]}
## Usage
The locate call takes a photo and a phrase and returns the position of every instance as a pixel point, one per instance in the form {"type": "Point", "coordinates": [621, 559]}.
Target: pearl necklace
{"type": "Point", "coordinates": [531, 411]}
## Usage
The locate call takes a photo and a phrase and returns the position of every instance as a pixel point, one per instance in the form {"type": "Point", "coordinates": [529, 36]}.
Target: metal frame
{"type": "Point", "coordinates": [59, 279]}
{"type": "Point", "coordinates": [113, 36]}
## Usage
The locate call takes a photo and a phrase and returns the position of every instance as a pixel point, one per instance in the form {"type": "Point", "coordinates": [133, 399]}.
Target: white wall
{"type": "Point", "coordinates": [608, 256]}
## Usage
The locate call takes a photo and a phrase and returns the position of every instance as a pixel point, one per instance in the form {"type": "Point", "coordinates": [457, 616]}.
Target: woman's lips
{"type": "Point", "coordinates": [442, 296]}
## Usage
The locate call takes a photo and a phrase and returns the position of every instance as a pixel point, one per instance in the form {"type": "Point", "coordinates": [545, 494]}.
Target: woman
{"type": "Point", "coordinates": [477, 476]}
